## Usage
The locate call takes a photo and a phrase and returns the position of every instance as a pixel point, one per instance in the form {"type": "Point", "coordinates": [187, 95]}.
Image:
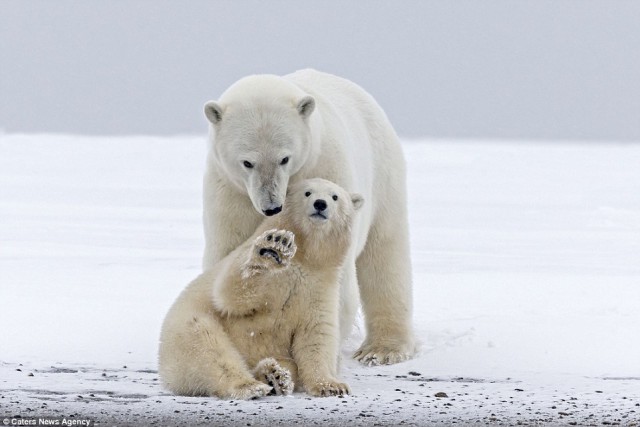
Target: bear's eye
{"type": "Point", "coordinates": [307, 194]}
{"type": "Point", "coordinates": [247, 164]}
{"type": "Point", "coordinates": [284, 161]}
{"type": "Point", "coordinates": [335, 197]}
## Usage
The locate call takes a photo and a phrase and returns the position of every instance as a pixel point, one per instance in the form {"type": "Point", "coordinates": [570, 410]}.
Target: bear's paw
{"type": "Point", "coordinates": [326, 388]}
{"type": "Point", "coordinates": [371, 355]}
{"type": "Point", "coordinates": [250, 390]}
{"type": "Point", "coordinates": [276, 245]}
{"type": "Point", "coordinates": [270, 372]}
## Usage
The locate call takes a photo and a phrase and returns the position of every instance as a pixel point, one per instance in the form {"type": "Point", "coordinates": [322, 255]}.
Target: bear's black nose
{"type": "Point", "coordinates": [320, 205]}
{"type": "Point", "coordinates": [271, 212]}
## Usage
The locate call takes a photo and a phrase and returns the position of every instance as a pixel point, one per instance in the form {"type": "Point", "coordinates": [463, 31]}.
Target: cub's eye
{"type": "Point", "coordinates": [284, 161]}
{"type": "Point", "coordinates": [307, 194]}
{"type": "Point", "coordinates": [335, 197]}
{"type": "Point", "coordinates": [247, 164]}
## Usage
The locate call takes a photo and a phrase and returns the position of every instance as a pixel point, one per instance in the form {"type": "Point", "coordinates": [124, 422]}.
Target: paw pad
{"type": "Point", "coordinates": [278, 245]}
{"type": "Point", "coordinates": [270, 372]}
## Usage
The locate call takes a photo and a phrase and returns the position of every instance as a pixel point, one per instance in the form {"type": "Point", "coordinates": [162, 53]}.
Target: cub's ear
{"type": "Point", "coordinates": [213, 111]}
{"type": "Point", "coordinates": [306, 106]}
{"type": "Point", "coordinates": [357, 200]}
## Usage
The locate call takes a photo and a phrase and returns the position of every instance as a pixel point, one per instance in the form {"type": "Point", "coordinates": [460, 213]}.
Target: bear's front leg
{"type": "Point", "coordinates": [315, 350]}
{"type": "Point", "coordinates": [272, 251]}
{"type": "Point", "coordinates": [242, 286]}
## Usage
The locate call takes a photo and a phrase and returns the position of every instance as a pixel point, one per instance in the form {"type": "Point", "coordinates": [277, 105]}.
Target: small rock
{"type": "Point", "coordinates": [415, 374]}
{"type": "Point", "coordinates": [441, 394]}
{"type": "Point", "coordinates": [30, 374]}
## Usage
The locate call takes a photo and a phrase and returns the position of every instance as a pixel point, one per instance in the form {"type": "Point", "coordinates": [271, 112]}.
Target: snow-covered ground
{"type": "Point", "coordinates": [526, 260]}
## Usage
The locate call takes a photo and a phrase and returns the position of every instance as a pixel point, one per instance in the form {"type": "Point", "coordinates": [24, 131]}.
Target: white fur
{"type": "Point", "coordinates": [266, 315]}
{"type": "Point", "coordinates": [328, 127]}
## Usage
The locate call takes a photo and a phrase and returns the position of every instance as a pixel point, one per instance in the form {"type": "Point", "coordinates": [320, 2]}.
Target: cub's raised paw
{"type": "Point", "coordinates": [270, 372]}
{"type": "Point", "coordinates": [276, 245]}
{"type": "Point", "coordinates": [329, 388]}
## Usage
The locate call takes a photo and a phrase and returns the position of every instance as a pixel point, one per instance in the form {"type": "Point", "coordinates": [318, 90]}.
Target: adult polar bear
{"type": "Point", "coordinates": [267, 132]}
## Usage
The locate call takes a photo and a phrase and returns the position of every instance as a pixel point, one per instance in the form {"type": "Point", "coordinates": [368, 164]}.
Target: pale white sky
{"type": "Point", "coordinates": [468, 69]}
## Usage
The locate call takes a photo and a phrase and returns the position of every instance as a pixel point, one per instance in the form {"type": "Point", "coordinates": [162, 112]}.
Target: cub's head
{"type": "Point", "coordinates": [260, 137]}
{"type": "Point", "coordinates": [318, 205]}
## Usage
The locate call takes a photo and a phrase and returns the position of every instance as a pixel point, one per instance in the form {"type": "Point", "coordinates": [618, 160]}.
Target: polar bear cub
{"type": "Point", "coordinates": [265, 318]}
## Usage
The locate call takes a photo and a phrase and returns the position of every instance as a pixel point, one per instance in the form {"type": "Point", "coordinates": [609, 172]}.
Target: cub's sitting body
{"type": "Point", "coordinates": [266, 316]}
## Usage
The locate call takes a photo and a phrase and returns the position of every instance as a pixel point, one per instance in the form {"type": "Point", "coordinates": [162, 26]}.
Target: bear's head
{"type": "Point", "coordinates": [261, 136]}
{"type": "Point", "coordinates": [319, 207]}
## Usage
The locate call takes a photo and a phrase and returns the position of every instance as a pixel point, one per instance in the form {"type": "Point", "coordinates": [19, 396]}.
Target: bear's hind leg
{"type": "Point", "coordinates": [384, 280]}
{"type": "Point", "coordinates": [199, 358]}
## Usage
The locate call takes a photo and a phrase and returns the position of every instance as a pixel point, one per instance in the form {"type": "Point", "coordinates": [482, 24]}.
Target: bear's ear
{"type": "Point", "coordinates": [306, 106]}
{"type": "Point", "coordinates": [213, 111]}
{"type": "Point", "coordinates": [357, 200]}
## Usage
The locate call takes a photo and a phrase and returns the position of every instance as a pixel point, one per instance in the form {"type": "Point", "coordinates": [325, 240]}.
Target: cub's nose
{"type": "Point", "coordinates": [320, 205]}
{"type": "Point", "coordinates": [271, 212]}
